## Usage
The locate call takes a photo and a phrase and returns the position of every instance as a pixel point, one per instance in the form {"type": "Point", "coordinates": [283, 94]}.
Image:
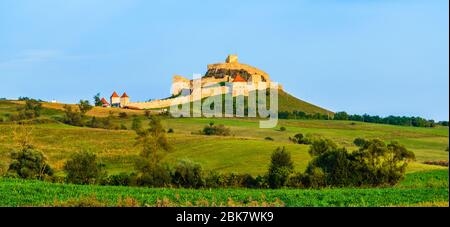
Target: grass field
{"type": "Point", "coordinates": [246, 151]}
{"type": "Point", "coordinates": [429, 188]}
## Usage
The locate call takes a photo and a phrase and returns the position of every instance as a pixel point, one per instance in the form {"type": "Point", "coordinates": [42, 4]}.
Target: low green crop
{"type": "Point", "coordinates": [413, 190]}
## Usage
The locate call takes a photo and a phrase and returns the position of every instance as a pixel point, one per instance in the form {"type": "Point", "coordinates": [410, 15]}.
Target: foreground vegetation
{"type": "Point", "coordinates": [429, 188]}
{"type": "Point", "coordinates": [217, 153]}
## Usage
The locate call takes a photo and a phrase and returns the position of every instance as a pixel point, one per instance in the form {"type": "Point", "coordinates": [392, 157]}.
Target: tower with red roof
{"type": "Point", "coordinates": [115, 100]}
{"type": "Point", "coordinates": [124, 100]}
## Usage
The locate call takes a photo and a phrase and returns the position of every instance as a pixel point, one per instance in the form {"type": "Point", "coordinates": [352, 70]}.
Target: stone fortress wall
{"type": "Point", "coordinates": [217, 73]}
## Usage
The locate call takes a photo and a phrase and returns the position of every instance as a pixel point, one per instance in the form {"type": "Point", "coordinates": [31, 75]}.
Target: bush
{"type": "Point", "coordinates": [374, 164]}
{"type": "Point", "coordinates": [72, 117]}
{"type": "Point", "coordinates": [137, 124]}
{"type": "Point", "coordinates": [282, 128]}
{"type": "Point", "coordinates": [170, 130]}
{"type": "Point", "coordinates": [94, 123]}
{"type": "Point", "coordinates": [84, 106]}
{"type": "Point", "coordinates": [215, 180]}
{"type": "Point", "coordinates": [269, 138]}
{"type": "Point", "coordinates": [233, 180]}
{"type": "Point", "coordinates": [321, 146]}
{"type": "Point", "coordinates": [360, 142]}
{"type": "Point", "coordinates": [32, 109]}
{"type": "Point", "coordinates": [300, 139]}
{"type": "Point", "coordinates": [296, 180]}
{"type": "Point", "coordinates": [83, 168]}
{"type": "Point", "coordinates": [123, 115]}
{"type": "Point", "coordinates": [29, 164]}
{"type": "Point", "coordinates": [155, 175]}
{"type": "Point", "coordinates": [188, 174]}
{"type": "Point", "coordinates": [281, 167]}
{"type": "Point", "coordinates": [220, 130]}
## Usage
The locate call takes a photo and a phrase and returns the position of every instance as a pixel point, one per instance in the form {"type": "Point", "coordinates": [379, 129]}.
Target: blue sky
{"type": "Point", "coordinates": [376, 57]}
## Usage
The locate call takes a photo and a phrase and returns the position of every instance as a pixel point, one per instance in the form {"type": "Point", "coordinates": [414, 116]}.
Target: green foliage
{"type": "Point", "coordinates": [98, 100]}
{"type": "Point", "coordinates": [95, 123]}
{"type": "Point", "coordinates": [321, 146]}
{"type": "Point", "coordinates": [84, 106]}
{"type": "Point", "coordinates": [121, 179]}
{"type": "Point", "coordinates": [299, 138]}
{"type": "Point", "coordinates": [415, 188]}
{"type": "Point", "coordinates": [220, 130]}
{"type": "Point", "coordinates": [188, 174]}
{"type": "Point", "coordinates": [83, 168]}
{"type": "Point", "coordinates": [72, 117]}
{"type": "Point", "coordinates": [153, 140]}
{"type": "Point", "coordinates": [153, 174]}
{"type": "Point", "coordinates": [31, 109]}
{"type": "Point", "coordinates": [136, 125]}
{"type": "Point", "coordinates": [360, 142]}
{"type": "Point", "coordinates": [29, 164]}
{"type": "Point", "coordinates": [374, 164]}
{"type": "Point", "coordinates": [282, 128]}
{"type": "Point", "coordinates": [391, 120]}
{"type": "Point", "coordinates": [123, 115]}
{"type": "Point", "coordinates": [340, 116]}
{"type": "Point", "coordinates": [280, 168]}
{"type": "Point", "coordinates": [302, 115]}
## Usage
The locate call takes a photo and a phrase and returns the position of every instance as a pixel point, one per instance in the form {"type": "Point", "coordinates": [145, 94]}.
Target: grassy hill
{"type": "Point", "coordinates": [287, 102]}
{"type": "Point", "coordinates": [246, 151]}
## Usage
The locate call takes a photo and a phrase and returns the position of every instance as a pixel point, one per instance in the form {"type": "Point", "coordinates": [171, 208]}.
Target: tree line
{"type": "Point", "coordinates": [344, 116]}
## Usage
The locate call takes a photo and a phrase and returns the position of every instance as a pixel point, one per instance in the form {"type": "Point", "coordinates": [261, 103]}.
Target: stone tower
{"type": "Point", "coordinates": [124, 100]}
{"type": "Point", "coordinates": [232, 59]}
{"type": "Point", "coordinates": [115, 100]}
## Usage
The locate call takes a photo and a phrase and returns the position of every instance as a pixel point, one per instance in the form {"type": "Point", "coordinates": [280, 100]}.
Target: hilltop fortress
{"type": "Point", "coordinates": [221, 78]}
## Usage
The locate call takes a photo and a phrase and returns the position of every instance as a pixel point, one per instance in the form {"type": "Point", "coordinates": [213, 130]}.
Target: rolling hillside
{"type": "Point", "coordinates": [287, 102]}
{"type": "Point", "coordinates": [246, 151]}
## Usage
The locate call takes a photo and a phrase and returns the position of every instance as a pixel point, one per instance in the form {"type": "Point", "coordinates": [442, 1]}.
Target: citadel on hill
{"type": "Point", "coordinates": [229, 77]}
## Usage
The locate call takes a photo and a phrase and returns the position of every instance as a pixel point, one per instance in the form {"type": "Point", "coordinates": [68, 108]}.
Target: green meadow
{"type": "Point", "coordinates": [245, 151]}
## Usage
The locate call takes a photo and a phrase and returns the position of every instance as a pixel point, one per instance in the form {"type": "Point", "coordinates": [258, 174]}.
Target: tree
{"type": "Point", "coordinates": [83, 168]}
{"type": "Point", "coordinates": [373, 164]}
{"type": "Point", "coordinates": [153, 140]}
{"type": "Point", "coordinates": [84, 106]}
{"type": "Point", "coordinates": [27, 162]}
{"type": "Point", "coordinates": [321, 146]}
{"type": "Point", "coordinates": [280, 168]}
{"type": "Point", "coordinates": [137, 124]}
{"type": "Point", "coordinates": [32, 109]}
{"type": "Point", "coordinates": [340, 116]}
{"type": "Point", "coordinates": [72, 117]}
{"type": "Point", "coordinates": [360, 142]}
{"type": "Point", "coordinates": [188, 174]}
{"type": "Point", "coordinates": [97, 100]}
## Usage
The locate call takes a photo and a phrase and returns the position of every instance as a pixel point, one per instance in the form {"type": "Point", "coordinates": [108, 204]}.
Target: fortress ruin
{"type": "Point", "coordinates": [228, 77]}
